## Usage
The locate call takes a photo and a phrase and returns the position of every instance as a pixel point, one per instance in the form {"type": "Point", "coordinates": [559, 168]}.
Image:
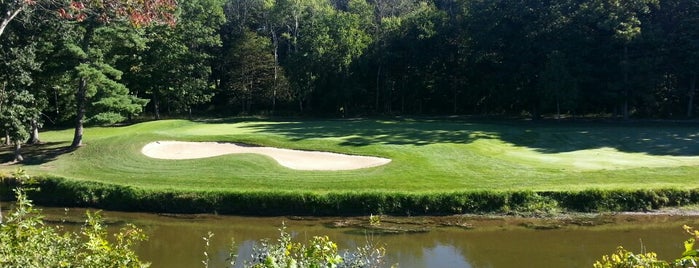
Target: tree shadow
{"type": "Point", "coordinates": [36, 154]}
{"type": "Point", "coordinates": [654, 138]}
{"type": "Point", "coordinates": [369, 132]}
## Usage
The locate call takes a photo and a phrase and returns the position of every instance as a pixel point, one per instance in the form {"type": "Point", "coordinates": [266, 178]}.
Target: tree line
{"type": "Point", "coordinates": [635, 58]}
{"type": "Point", "coordinates": [103, 61]}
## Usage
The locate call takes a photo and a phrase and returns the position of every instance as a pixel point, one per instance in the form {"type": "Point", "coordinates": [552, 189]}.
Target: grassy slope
{"type": "Point", "coordinates": [428, 155]}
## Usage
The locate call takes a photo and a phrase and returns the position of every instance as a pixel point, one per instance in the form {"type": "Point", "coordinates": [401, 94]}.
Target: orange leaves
{"type": "Point", "coordinates": [142, 12]}
{"type": "Point", "coordinates": [63, 14]}
{"type": "Point", "coordinates": [75, 5]}
{"type": "Point", "coordinates": [139, 18]}
{"type": "Point", "coordinates": [76, 11]}
{"type": "Point", "coordinates": [137, 12]}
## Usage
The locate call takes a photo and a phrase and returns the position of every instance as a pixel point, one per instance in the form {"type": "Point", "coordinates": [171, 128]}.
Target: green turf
{"type": "Point", "coordinates": [427, 155]}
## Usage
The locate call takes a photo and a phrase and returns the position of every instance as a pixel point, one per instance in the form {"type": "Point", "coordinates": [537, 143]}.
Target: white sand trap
{"type": "Point", "coordinates": [294, 159]}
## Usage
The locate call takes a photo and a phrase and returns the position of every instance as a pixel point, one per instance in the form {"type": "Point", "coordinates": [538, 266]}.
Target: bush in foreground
{"type": "Point", "coordinates": [318, 252]}
{"type": "Point", "coordinates": [623, 258]}
{"type": "Point", "coordinates": [25, 241]}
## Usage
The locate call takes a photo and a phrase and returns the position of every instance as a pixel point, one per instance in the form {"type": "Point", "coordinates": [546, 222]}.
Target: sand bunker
{"type": "Point", "coordinates": [294, 159]}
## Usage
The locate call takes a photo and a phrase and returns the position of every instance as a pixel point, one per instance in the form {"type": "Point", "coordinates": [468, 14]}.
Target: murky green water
{"type": "Point", "coordinates": [176, 241]}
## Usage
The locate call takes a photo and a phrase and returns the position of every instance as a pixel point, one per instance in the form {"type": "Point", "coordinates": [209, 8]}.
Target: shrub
{"type": "Point", "coordinates": [319, 252]}
{"type": "Point", "coordinates": [623, 258]}
{"type": "Point", "coordinates": [532, 203]}
{"type": "Point", "coordinates": [26, 242]}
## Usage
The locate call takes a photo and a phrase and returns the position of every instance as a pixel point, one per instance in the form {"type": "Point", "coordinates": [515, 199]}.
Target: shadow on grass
{"type": "Point", "coordinates": [368, 132]}
{"type": "Point", "coordinates": [655, 138]}
{"type": "Point", "coordinates": [36, 154]}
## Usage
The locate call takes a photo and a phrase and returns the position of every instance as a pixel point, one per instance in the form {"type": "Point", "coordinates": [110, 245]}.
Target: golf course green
{"type": "Point", "coordinates": [436, 166]}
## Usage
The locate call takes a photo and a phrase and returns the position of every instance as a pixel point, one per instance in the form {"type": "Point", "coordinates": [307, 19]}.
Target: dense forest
{"type": "Point", "coordinates": [63, 60]}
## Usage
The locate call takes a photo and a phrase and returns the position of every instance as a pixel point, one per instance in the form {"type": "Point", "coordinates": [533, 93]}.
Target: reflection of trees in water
{"type": "Point", "coordinates": [177, 241]}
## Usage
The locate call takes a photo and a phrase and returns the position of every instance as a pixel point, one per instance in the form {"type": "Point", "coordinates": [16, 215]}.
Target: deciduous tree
{"type": "Point", "coordinates": [18, 107]}
{"type": "Point", "coordinates": [176, 68]}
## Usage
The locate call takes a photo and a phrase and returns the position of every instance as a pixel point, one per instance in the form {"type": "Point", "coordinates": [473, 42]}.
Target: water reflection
{"type": "Point", "coordinates": [441, 256]}
{"type": "Point", "coordinates": [177, 242]}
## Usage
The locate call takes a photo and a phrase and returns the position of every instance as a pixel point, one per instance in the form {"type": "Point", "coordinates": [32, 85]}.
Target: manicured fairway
{"type": "Point", "coordinates": [427, 155]}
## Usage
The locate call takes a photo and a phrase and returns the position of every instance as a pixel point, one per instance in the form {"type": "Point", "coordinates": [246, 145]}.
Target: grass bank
{"type": "Point", "coordinates": [438, 167]}
{"type": "Point", "coordinates": [70, 193]}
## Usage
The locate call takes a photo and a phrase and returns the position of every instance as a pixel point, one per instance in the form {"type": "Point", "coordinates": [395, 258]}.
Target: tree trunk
{"type": "Point", "coordinates": [558, 109]}
{"type": "Point", "coordinates": [402, 101]}
{"type": "Point", "coordinates": [627, 90]}
{"type": "Point", "coordinates": [9, 16]}
{"type": "Point", "coordinates": [2, 100]}
{"type": "Point", "coordinates": [275, 42]}
{"type": "Point", "coordinates": [274, 100]}
{"type": "Point", "coordinates": [378, 86]}
{"type": "Point", "coordinates": [34, 134]}
{"type": "Point", "coordinates": [296, 32]}
{"type": "Point", "coordinates": [156, 105]}
{"type": "Point", "coordinates": [81, 94]}
{"type": "Point", "coordinates": [248, 98]}
{"type": "Point", "coordinates": [456, 103]}
{"type": "Point", "coordinates": [80, 113]}
{"type": "Point", "coordinates": [55, 99]}
{"type": "Point", "coordinates": [168, 108]}
{"type": "Point", "coordinates": [692, 92]}
{"type": "Point", "coordinates": [18, 153]}
{"type": "Point", "coordinates": [389, 103]}
{"type": "Point", "coordinates": [243, 98]}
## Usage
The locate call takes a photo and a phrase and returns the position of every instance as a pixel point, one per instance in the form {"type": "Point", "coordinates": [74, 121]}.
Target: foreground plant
{"type": "Point", "coordinates": [25, 241]}
{"type": "Point", "coordinates": [319, 252]}
{"type": "Point", "coordinates": [623, 258]}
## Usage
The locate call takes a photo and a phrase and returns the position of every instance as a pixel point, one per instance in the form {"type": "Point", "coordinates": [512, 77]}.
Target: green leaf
{"type": "Point", "coordinates": [689, 248]}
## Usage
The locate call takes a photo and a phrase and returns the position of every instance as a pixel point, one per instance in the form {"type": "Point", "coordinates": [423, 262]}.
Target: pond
{"type": "Point", "coordinates": [455, 241]}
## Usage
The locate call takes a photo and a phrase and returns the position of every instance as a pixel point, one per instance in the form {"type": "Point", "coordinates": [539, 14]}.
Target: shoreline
{"type": "Point", "coordinates": [61, 192]}
{"type": "Point", "coordinates": [388, 224]}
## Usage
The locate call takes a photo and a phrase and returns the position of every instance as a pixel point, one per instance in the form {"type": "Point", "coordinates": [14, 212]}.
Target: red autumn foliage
{"type": "Point", "coordinates": [77, 5]}
{"type": "Point", "coordinates": [137, 12]}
